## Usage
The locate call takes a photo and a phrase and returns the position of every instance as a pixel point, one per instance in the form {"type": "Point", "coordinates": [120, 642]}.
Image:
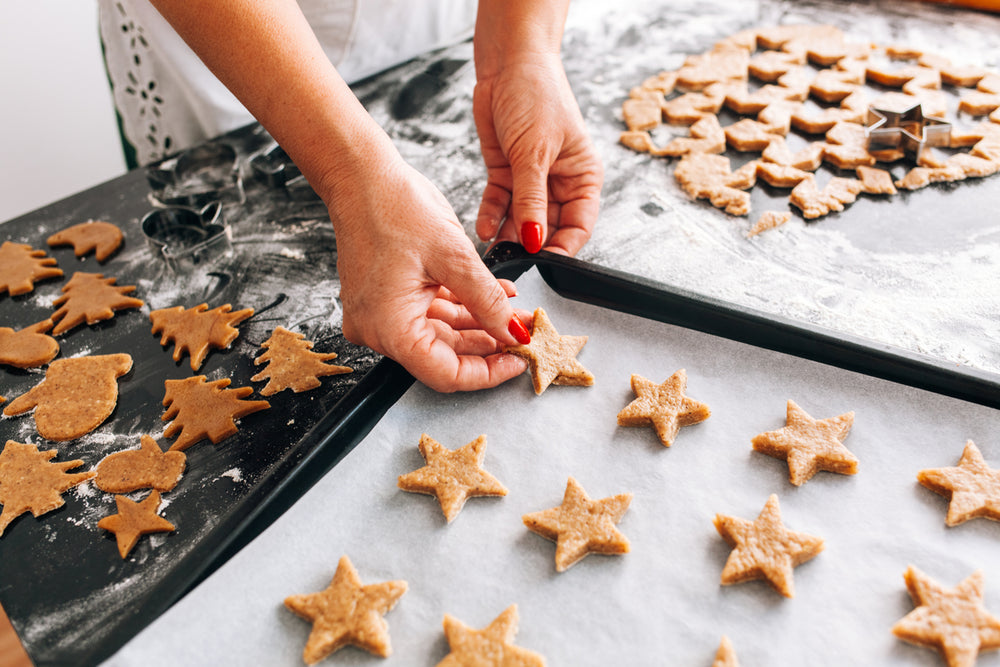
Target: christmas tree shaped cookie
{"type": "Point", "coordinates": [29, 347]}
{"type": "Point", "coordinates": [291, 363]}
{"type": "Point", "coordinates": [143, 468]}
{"type": "Point", "coordinates": [31, 481]}
{"type": "Point", "coordinates": [200, 409]}
{"type": "Point", "coordinates": [90, 297]}
{"type": "Point", "coordinates": [194, 330]}
{"type": "Point", "coordinates": [21, 265]}
{"type": "Point", "coordinates": [101, 238]}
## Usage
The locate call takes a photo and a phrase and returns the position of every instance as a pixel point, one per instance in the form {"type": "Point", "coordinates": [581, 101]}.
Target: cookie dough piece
{"type": "Point", "coordinates": [815, 203]}
{"type": "Point", "coordinates": [493, 645]}
{"type": "Point", "coordinates": [725, 656]}
{"type": "Point", "coordinates": [832, 85]}
{"type": "Point", "coordinates": [769, 220]}
{"type": "Point", "coordinates": [977, 103]}
{"type": "Point", "coordinates": [135, 519]}
{"type": "Point", "coordinates": [663, 406]}
{"type": "Point", "coordinates": [21, 266]}
{"type": "Point", "coordinates": [291, 363]}
{"type": "Point", "coordinates": [641, 114]}
{"type": "Point", "coordinates": [769, 66]}
{"type": "Point", "coordinates": [875, 181]}
{"type": "Point", "coordinates": [781, 176]}
{"type": "Point", "coordinates": [199, 410]}
{"type": "Point", "coordinates": [31, 481]}
{"type": "Point", "coordinates": [28, 347]}
{"type": "Point", "coordinates": [720, 65]}
{"type": "Point", "coordinates": [972, 487]}
{"type": "Point", "coordinates": [552, 357]}
{"type": "Point", "coordinates": [90, 298]}
{"type": "Point", "coordinates": [194, 330]}
{"type": "Point", "coordinates": [143, 468]}
{"type": "Point", "coordinates": [101, 238]}
{"type": "Point", "coordinates": [701, 175]}
{"type": "Point", "coordinates": [748, 135]}
{"type": "Point", "coordinates": [706, 137]}
{"type": "Point", "coordinates": [921, 177]}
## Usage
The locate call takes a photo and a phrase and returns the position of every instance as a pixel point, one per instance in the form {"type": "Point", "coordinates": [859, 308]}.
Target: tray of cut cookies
{"type": "Point", "coordinates": [646, 494]}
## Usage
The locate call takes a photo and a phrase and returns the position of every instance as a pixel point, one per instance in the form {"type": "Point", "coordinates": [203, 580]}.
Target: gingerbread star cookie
{"type": "Point", "coordinates": [143, 468]}
{"type": "Point", "coordinates": [490, 647]}
{"type": "Point", "coordinates": [28, 347]}
{"type": "Point", "coordinates": [200, 409]}
{"type": "Point", "coordinates": [135, 519]}
{"type": "Point", "coordinates": [101, 238]}
{"type": "Point", "coordinates": [21, 265]}
{"type": "Point", "coordinates": [347, 613]}
{"type": "Point", "coordinates": [972, 487]}
{"type": "Point", "coordinates": [551, 357]}
{"type": "Point", "coordinates": [194, 330]}
{"type": "Point", "coordinates": [764, 548]}
{"type": "Point", "coordinates": [453, 476]}
{"type": "Point", "coordinates": [952, 620]}
{"type": "Point", "coordinates": [91, 298]}
{"type": "Point", "coordinates": [581, 526]}
{"type": "Point", "coordinates": [809, 445]}
{"type": "Point", "coordinates": [726, 655]}
{"type": "Point", "coordinates": [31, 481]}
{"type": "Point", "coordinates": [291, 363]}
{"type": "Point", "coordinates": [663, 406]}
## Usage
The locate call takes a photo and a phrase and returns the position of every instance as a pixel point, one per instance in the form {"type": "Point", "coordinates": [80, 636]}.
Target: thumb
{"type": "Point", "coordinates": [484, 296]}
{"type": "Point", "coordinates": [529, 204]}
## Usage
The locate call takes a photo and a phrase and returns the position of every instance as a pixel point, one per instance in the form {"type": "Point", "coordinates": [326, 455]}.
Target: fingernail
{"type": "Point", "coordinates": [531, 237]}
{"type": "Point", "coordinates": [518, 330]}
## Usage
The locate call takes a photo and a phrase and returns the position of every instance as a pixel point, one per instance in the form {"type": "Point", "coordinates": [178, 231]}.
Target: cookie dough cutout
{"type": "Point", "coordinates": [765, 549]}
{"type": "Point", "coordinates": [291, 363]}
{"type": "Point", "coordinates": [493, 645]}
{"type": "Point", "coordinates": [663, 406]}
{"type": "Point", "coordinates": [101, 238]}
{"type": "Point", "coordinates": [954, 621]}
{"type": "Point", "coordinates": [75, 397]}
{"type": "Point", "coordinates": [194, 330]}
{"type": "Point", "coordinates": [552, 357]}
{"type": "Point", "coordinates": [703, 176]}
{"type": "Point", "coordinates": [21, 266]}
{"type": "Point", "coordinates": [28, 347]}
{"type": "Point", "coordinates": [769, 220]}
{"type": "Point", "coordinates": [31, 482]}
{"type": "Point", "coordinates": [452, 476]}
{"type": "Point", "coordinates": [809, 445]}
{"type": "Point", "coordinates": [875, 181]}
{"type": "Point", "coordinates": [133, 520]}
{"type": "Point", "coordinates": [725, 656]}
{"type": "Point", "coordinates": [347, 613]}
{"type": "Point", "coordinates": [90, 298]}
{"type": "Point", "coordinates": [199, 410]}
{"type": "Point", "coordinates": [580, 526]}
{"type": "Point", "coordinates": [143, 468]}
{"type": "Point", "coordinates": [972, 487]}
{"type": "Point", "coordinates": [815, 203]}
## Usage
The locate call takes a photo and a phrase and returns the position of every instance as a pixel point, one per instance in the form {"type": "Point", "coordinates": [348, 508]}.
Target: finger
{"type": "Point", "coordinates": [493, 210]}
{"type": "Point", "coordinates": [508, 286]}
{"type": "Point", "coordinates": [576, 223]}
{"type": "Point", "coordinates": [441, 369]}
{"type": "Point", "coordinates": [529, 204]}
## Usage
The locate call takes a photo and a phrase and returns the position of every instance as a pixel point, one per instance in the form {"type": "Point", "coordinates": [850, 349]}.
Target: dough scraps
{"type": "Point", "coordinates": [291, 363]}
{"type": "Point", "coordinates": [101, 238]}
{"type": "Point", "coordinates": [31, 481]}
{"type": "Point", "coordinates": [809, 445]}
{"type": "Point", "coordinates": [764, 548]}
{"type": "Point", "coordinates": [552, 357]}
{"type": "Point", "coordinates": [769, 220]}
{"type": "Point", "coordinates": [493, 645]}
{"type": "Point", "coordinates": [75, 397]}
{"type": "Point", "coordinates": [134, 469]}
{"type": "Point", "coordinates": [347, 612]}
{"type": "Point", "coordinates": [952, 620]}
{"type": "Point", "coordinates": [201, 409]}
{"type": "Point", "coordinates": [135, 519]}
{"type": "Point", "coordinates": [972, 487]}
{"type": "Point", "coordinates": [92, 298]}
{"type": "Point", "coordinates": [663, 406]}
{"type": "Point", "coordinates": [194, 330]}
{"type": "Point", "coordinates": [453, 476]}
{"type": "Point", "coordinates": [581, 526]}
{"type": "Point", "coordinates": [21, 265]}
{"type": "Point", "coordinates": [28, 347]}
{"type": "Point", "coordinates": [726, 655]}
{"type": "Point", "coordinates": [816, 203]}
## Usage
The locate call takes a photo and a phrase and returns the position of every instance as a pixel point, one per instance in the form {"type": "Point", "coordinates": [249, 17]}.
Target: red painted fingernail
{"type": "Point", "coordinates": [531, 237]}
{"type": "Point", "coordinates": [518, 330]}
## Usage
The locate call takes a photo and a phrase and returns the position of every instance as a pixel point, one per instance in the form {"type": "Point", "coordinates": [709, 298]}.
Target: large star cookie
{"type": "Point", "coordinates": [581, 526]}
{"type": "Point", "coordinates": [551, 357]}
{"type": "Point", "coordinates": [200, 409]}
{"type": "Point", "coordinates": [972, 487]}
{"type": "Point", "coordinates": [194, 330]}
{"type": "Point", "coordinates": [102, 238]}
{"type": "Point", "coordinates": [29, 347]}
{"type": "Point", "coordinates": [764, 548]}
{"type": "Point", "coordinates": [135, 519]}
{"type": "Point", "coordinates": [291, 363]}
{"type": "Point", "coordinates": [810, 445]}
{"type": "Point", "coordinates": [21, 265]}
{"type": "Point", "coordinates": [146, 467]}
{"type": "Point", "coordinates": [952, 620]}
{"type": "Point", "coordinates": [453, 476]}
{"type": "Point", "coordinates": [663, 406]}
{"type": "Point", "coordinates": [490, 647]}
{"type": "Point", "coordinates": [347, 613]}
{"type": "Point", "coordinates": [30, 480]}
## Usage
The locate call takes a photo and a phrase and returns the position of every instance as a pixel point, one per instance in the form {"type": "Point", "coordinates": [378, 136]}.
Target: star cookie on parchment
{"type": "Point", "coordinates": [291, 363]}
{"type": "Point", "coordinates": [143, 468]}
{"type": "Point", "coordinates": [102, 238]}
{"type": "Point", "coordinates": [200, 409]}
{"type": "Point", "coordinates": [972, 487]}
{"type": "Point", "coordinates": [809, 445]}
{"type": "Point", "coordinates": [29, 347]}
{"type": "Point", "coordinates": [92, 298]}
{"type": "Point", "coordinates": [135, 519]}
{"type": "Point", "coordinates": [663, 406]}
{"type": "Point", "coordinates": [581, 526]}
{"type": "Point", "coordinates": [453, 476]}
{"type": "Point", "coordinates": [764, 548]}
{"type": "Point", "coordinates": [952, 620]}
{"type": "Point", "coordinates": [347, 613]}
{"type": "Point", "coordinates": [551, 357]}
{"type": "Point", "coordinates": [30, 480]}
{"type": "Point", "coordinates": [194, 330]}
{"type": "Point", "coordinates": [21, 265]}
{"type": "Point", "coordinates": [726, 655]}
{"type": "Point", "coordinates": [490, 647]}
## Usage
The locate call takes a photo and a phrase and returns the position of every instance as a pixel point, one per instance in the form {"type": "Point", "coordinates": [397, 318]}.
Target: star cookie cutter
{"type": "Point", "coordinates": [908, 130]}
{"type": "Point", "coordinates": [187, 237]}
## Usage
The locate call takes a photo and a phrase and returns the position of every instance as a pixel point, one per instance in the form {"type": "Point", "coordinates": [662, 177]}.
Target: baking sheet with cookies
{"type": "Point", "coordinates": [662, 603]}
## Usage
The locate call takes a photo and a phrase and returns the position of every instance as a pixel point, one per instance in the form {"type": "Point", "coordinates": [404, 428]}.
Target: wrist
{"type": "Point", "coordinates": [510, 32]}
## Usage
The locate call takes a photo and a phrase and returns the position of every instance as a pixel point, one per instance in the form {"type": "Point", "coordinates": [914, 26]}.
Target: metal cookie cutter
{"type": "Point", "coordinates": [187, 237]}
{"type": "Point", "coordinates": [200, 175]}
{"type": "Point", "coordinates": [908, 130]}
{"type": "Point", "coordinates": [275, 169]}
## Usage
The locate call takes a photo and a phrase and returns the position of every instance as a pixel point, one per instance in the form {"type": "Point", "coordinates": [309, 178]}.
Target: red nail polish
{"type": "Point", "coordinates": [518, 330]}
{"type": "Point", "coordinates": [531, 237]}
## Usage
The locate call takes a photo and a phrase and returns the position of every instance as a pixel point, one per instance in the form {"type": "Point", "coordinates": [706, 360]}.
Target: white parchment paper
{"type": "Point", "coordinates": [661, 604]}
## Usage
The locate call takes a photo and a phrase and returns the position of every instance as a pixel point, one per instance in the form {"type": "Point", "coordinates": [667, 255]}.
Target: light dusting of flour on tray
{"type": "Point", "coordinates": [234, 474]}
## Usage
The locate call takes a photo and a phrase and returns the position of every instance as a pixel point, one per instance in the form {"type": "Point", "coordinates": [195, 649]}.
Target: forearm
{"type": "Point", "coordinates": [514, 31]}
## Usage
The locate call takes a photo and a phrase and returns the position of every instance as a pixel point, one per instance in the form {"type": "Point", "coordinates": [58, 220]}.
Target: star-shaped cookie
{"type": "Point", "coordinates": [810, 445]}
{"type": "Point", "coordinates": [581, 526]}
{"type": "Point", "coordinates": [551, 357]}
{"type": "Point", "coordinates": [972, 487]}
{"type": "Point", "coordinates": [726, 655]}
{"type": "Point", "coordinates": [135, 519]}
{"type": "Point", "coordinates": [490, 647]}
{"type": "Point", "coordinates": [764, 548]}
{"type": "Point", "coordinates": [347, 613]}
{"type": "Point", "coordinates": [453, 476]}
{"type": "Point", "coordinates": [663, 406]}
{"type": "Point", "coordinates": [952, 620]}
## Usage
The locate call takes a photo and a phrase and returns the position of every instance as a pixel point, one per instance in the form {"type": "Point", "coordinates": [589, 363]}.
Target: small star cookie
{"type": "Point", "coordinates": [972, 487]}
{"type": "Point", "coordinates": [809, 445]}
{"type": "Point", "coordinates": [663, 406]}
{"type": "Point", "coordinates": [490, 647]}
{"type": "Point", "coordinates": [453, 476]}
{"type": "Point", "coordinates": [135, 519]}
{"type": "Point", "coordinates": [30, 480]}
{"type": "Point", "coordinates": [726, 655]}
{"type": "Point", "coordinates": [551, 357]}
{"type": "Point", "coordinates": [101, 238]}
{"type": "Point", "coordinates": [581, 526]}
{"type": "Point", "coordinates": [952, 620]}
{"type": "Point", "coordinates": [764, 548]}
{"type": "Point", "coordinates": [347, 613]}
